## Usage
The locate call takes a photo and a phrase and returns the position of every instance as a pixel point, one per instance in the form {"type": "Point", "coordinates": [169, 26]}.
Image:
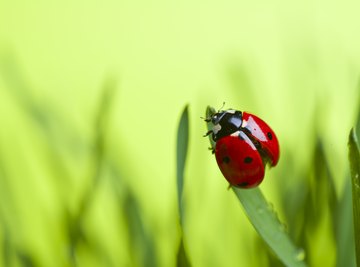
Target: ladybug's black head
{"type": "Point", "coordinates": [225, 123]}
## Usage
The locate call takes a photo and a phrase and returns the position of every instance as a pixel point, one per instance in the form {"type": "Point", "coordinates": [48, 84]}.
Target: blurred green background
{"type": "Point", "coordinates": [91, 95]}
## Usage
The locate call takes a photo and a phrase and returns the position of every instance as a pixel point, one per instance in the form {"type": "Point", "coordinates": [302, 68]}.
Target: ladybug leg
{"type": "Point", "coordinates": [208, 133]}
{"type": "Point", "coordinates": [212, 150]}
{"type": "Point", "coordinates": [206, 119]}
{"type": "Point", "coordinates": [229, 187]}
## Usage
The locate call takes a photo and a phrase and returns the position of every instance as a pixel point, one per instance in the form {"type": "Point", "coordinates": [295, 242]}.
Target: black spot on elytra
{"type": "Point", "coordinates": [269, 135]}
{"type": "Point", "coordinates": [226, 159]}
{"type": "Point", "coordinates": [243, 184]}
{"type": "Point", "coordinates": [248, 160]}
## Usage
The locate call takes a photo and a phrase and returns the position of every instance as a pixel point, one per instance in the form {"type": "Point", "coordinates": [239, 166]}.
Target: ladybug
{"type": "Point", "coordinates": [243, 145]}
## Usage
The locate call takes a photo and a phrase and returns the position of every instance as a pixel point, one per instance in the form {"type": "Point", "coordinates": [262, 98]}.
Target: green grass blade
{"type": "Point", "coordinates": [75, 221]}
{"type": "Point", "coordinates": [140, 238]}
{"type": "Point", "coordinates": [266, 222]}
{"type": "Point", "coordinates": [182, 259]}
{"type": "Point", "coordinates": [209, 112]}
{"type": "Point", "coordinates": [181, 151]}
{"type": "Point", "coordinates": [354, 159]}
{"type": "Point", "coordinates": [141, 241]}
{"type": "Point", "coordinates": [268, 226]}
{"type": "Point", "coordinates": [345, 230]}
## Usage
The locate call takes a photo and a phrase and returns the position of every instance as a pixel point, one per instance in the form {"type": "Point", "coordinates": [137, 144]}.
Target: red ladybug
{"type": "Point", "coordinates": [244, 144]}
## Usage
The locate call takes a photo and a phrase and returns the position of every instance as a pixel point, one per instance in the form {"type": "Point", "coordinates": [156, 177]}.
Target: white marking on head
{"type": "Point", "coordinates": [216, 128]}
{"type": "Point", "coordinates": [231, 111]}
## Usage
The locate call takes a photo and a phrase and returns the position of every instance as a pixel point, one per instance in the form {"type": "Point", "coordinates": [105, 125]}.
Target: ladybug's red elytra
{"type": "Point", "coordinates": [244, 144]}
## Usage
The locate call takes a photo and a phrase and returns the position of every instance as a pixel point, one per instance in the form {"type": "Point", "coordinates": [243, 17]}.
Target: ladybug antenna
{"type": "Point", "coordinates": [222, 106]}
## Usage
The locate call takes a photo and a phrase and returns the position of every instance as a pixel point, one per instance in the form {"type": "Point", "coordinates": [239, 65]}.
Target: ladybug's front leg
{"type": "Point", "coordinates": [208, 119]}
{"type": "Point", "coordinates": [208, 133]}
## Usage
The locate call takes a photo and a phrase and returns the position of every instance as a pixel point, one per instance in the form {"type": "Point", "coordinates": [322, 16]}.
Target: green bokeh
{"type": "Point", "coordinates": [76, 192]}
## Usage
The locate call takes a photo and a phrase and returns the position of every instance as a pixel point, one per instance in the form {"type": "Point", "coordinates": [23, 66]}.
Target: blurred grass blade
{"type": "Point", "coordinates": [75, 221]}
{"type": "Point", "coordinates": [141, 241]}
{"type": "Point", "coordinates": [266, 222]}
{"type": "Point", "coordinates": [354, 159]}
{"type": "Point", "coordinates": [320, 216]}
{"type": "Point", "coordinates": [181, 151]}
{"type": "Point", "coordinates": [25, 259]}
{"type": "Point", "coordinates": [345, 230]}
{"type": "Point", "coordinates": [182, 259]}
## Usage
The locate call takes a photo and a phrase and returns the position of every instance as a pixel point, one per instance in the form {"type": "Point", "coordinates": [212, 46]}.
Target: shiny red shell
{"type": "Point", "coordinates": [244, 144]}
{"type": "Point", "coordinates": [239, 161]}
{"type": "Point", "coordinates": [262, 133]}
